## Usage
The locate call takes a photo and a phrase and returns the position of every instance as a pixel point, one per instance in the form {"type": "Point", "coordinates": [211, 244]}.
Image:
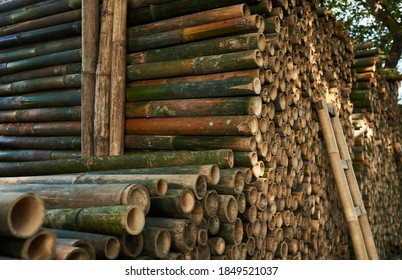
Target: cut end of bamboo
{"type": "Point", "coordinates": [163, 242]}
{"type": "Point", "coordinates": [112, 248]}
{"type": "Point", "coordinates": [25, 215]}
{"type": "Point", "coordinates": [137, 195]}
{"type": "Point", "coordinates": [40, 246]}
{"type": "Point", "coordinates": [135, 220]}
{"type": "Point", "coordinates": [187, 201]}
{"type": "Point", "coordinates": [67, 252]}
{"type": "Point", "coordinates": [215, 174]}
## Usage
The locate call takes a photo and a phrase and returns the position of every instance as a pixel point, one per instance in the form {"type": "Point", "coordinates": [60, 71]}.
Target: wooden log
{"type": "Point", "coordinates": [213, 46]}
{"type": "Point", "coordinates": [68, 252]}
{"type": "Point", "coordinates": [214, 88]}
{"type": "Point", "coordinates": [119, 220]}
{"type": "Point", "coordinates": [85, 195]}
{"type": "Point", "coordinates": [106, 246]}
{"type": "Point", "coordinates": [21, 214]}
{"type": "Point", "coordinates": [196, 66]}
{"type": "Point", "coordinates": [195, 107]}
{"type": "Point", "coordinates": [223, 158]}
{"type": "Point", "coordinates": [39, 246]}
{"type": "Point", "coordinates": [209, 16]}
{"type": "Point", "coordinates": [214, 125]}
{"type": "Point", "coordinates": [182, 232]}
{"type": "Point", "coordinates": [79, 243]}
{"type": "Point", "coordinates": [157, 242]}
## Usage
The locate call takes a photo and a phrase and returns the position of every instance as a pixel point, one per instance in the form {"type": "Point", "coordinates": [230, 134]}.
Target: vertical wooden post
{"type": "Point", "coordinates": [103, 81]}
{"type": "Point", "coordinates": [117, 100]}
{"type": "Point", "coordinates": [90, 34]}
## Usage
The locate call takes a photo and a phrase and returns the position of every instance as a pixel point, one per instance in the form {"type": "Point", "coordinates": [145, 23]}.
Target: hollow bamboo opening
{"type": "Point", "coordinates": [135, 220]}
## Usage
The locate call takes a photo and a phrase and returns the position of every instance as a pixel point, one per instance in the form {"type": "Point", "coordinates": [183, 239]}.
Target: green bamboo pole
{"type": "Point", "coordinates": [71, 128]}
{"type": "Point", "coordinates": [40, 49]}
{"type": "Point", "coordinates": [83, 195]}
{"type": "Point", "coordinates": [174, 9]}
{"type": "Point", "coordinates": [41, 114]}
{"type": "Point", "coordinates": [39, 246]}
{"type": "Point", "coordinates": [52, 143]}
{"type": "Point", "coordinates": [114, 220]}
{"type": "Point", "coordinates": [57, 70]}
{"type": "Point", "coordinates": [103, 82]}
{"type": "Point", "coordinates": [209, 16]}
{"type": "Point", "coordinates": [182, 231]}
{"type": "Point", "coordinates": [272, 25]}
{"type": "Point", "coordinates": [41, 61]}
{"type": "Point", "coordinates": [118, 76]}
{"type": "Point", "coordinates": [106, 246]}
{"type": "Point", "coordinates": [254, 23]}
{"type": "Point", "coordinates": [90, 37]}
{"type": "Point", "coordinates": [197, 66]}
{"type": "Point", "coordinates": [21, 214]}
{"type": "Point", "coordinates": [70, 97]}
{"type": "Point", "coordinates": [214, 125]}
{"type": "Point", "coordinates": [41, 84]}
{"type": "Point", "coordinates": [223, 158]}
{"type": "Point", "coordinates": [195, 107]}
{"type": "Point", "coordinates": [235, 143]}
{"type": "Point", "coordinates": [35, 155]}
{"type": "Point", "coordinates": [215, 88]}
{"type": "Point", "coordinates": [78, 243]}
{"type": "Point", "coordinates": [60, 31]}
{"type": "Point", "coordinates": [50, 20]}
{"type": "Point", "coordinates": [15, 4]}
{"type": "Point", "coordinates": [36, 11]}
{"type": "Point", "coordinates": [213, 46]}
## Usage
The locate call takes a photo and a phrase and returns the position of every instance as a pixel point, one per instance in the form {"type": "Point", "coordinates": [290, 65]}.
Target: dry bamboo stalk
{"type": "Point", "coordinates": [103, 81]}
{"type": "Point", "coordinates": [118, 78]}
{"type": "Point", "coordinates": [90, 35]}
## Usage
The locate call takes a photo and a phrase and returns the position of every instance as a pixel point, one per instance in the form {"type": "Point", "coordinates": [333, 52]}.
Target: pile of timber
{"type": "Point", "coordinates": [228, 84]}
{"type": "Point", "coordinates": [377, 147]}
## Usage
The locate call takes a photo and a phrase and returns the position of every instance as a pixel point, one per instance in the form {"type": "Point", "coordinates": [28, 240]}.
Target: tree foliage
{"type": "Point", "coordinates": [379, 21]}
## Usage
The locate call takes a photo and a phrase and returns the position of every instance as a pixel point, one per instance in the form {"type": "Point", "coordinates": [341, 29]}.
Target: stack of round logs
{"type": "Point", "coordinates": [377, 145]}
{"type": "Point", "coordinates": [240, 76]}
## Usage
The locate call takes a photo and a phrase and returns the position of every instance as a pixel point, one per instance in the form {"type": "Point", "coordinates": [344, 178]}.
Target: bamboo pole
{"type": "Point", "coordinates": [21, 214]}
{"type": "Point", "coordinates": [118, 76]}
{"type": "Point", "coordinates": [68, 252]}
{"type": "Point", "coordinates": [106, 246]}
{"type": "Point", "coordinates": [131, 246]}
{"type": "Point", "coordinates": [119, 220]}
{"type": "Point", "coordinates": [223, 158]}
{"type": "Point", "coordinates": [39, 246]}
{"type": "Point", "coordinates": [79, 243]}
{"type": "Point", "coordinates": [157, 242]}
{"type": "Point", "coordinates": [174, 204]}
{"type": "Point", "coordinates": [103, 82]}
{"type": "Point", "coordinates": [90, 34]}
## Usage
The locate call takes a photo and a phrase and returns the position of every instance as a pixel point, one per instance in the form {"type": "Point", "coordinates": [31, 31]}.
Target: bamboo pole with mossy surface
{"type": "Point", "coordinates": [114, 220]}
{"type": "Point", "coordinates": [223, 158]}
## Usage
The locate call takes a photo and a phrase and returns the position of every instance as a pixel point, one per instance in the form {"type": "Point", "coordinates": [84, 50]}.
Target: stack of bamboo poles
{"type": "Point", "coordinates": [377, 145]}
{"type": "Point", "coordinates": [40, 80]}
{"type": "Point", "coordinates": [237, 77]}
